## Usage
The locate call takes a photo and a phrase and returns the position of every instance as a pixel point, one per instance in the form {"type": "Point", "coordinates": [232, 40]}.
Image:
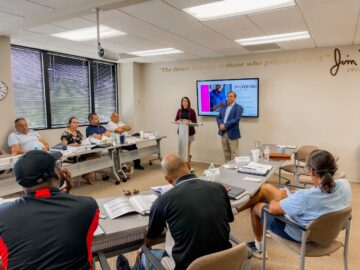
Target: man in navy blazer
{"type": "Point", "coordinates": [228, 123]}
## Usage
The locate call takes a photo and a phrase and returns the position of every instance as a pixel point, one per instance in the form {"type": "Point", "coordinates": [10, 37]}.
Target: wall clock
{"type": "Point", "coordinates": [3, 90]}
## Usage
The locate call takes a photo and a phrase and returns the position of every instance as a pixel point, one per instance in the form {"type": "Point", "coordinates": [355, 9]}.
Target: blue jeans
{"type": "Point", "coordinates": [159, 253]}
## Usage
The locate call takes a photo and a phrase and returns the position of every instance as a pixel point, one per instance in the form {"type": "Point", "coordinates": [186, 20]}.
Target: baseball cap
{"type": "Point", "coordinates": [35, 167]}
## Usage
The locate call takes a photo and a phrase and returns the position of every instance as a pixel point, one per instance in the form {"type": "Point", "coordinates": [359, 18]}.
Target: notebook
{"type": "Point", "coordinates": [235, 193]}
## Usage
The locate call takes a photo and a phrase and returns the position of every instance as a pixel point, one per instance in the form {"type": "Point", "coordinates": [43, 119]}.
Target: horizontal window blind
{"type": "Point", "coordinates": [104, 82]}
{"type": "Point", "coordinates": [69, 89]}
{"type": "Point", "coordinates": [28, 83]}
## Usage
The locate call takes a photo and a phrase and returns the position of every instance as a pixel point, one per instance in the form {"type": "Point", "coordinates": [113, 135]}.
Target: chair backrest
{"type": "Point", "coordinates": [303, 152]}
{"type": "Point", "coordinates": [325, 229]}
{"type": "Point", "coordinates": [229, 259]}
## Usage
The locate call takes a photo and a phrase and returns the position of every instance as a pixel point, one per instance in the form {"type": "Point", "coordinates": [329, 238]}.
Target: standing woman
{"type": "Point", "coordinates": [73, 137]}
{"type": "Point", "coordinates": [186, 113]}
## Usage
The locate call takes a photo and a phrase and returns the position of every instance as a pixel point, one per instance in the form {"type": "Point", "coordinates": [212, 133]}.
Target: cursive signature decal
{"type": "Point", "coordinates": [339, 62]}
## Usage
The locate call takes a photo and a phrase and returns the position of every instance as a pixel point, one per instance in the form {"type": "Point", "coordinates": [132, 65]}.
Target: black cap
{"type": "Point", "coordinates": [35, 167]}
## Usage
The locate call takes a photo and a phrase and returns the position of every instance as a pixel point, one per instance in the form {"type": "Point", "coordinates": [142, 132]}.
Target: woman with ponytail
{"type": "Point", "coordinates": [303, 206]}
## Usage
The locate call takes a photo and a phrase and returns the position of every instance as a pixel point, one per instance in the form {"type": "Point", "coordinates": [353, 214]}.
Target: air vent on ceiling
{"type": "Point", "coordinates": [263, 47]}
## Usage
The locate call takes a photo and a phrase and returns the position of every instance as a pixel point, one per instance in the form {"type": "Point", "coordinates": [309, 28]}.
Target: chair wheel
{"type": "Point", "coordinates": [117, 182]}
{"type": "Point", "coordinates": [150, 163]}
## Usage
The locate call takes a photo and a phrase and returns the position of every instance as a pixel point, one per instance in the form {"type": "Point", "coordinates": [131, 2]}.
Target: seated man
{"type": "Point", "coordinates": [46, 228]}
{"type": "Point", "coordinates": [95, 130]}
{"type": "Point", "coordinates": [196, 212]}
{"type": "Point", "coordinates": [24, 139]}
{"type": "Point", "coordinates": [115, 125]}
{"type": "Point", "coordinates": [303, 206]}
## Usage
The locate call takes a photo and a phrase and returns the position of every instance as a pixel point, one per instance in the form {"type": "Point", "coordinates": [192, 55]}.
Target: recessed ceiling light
{"type": "Point", "coordinates": [229, 8]}
{"type": "Point", "coordinates": [273, 38]}
{"type": "Point", "coordinates": [89, 33]}
{"type": "Point", "coordinates": [156, 52]}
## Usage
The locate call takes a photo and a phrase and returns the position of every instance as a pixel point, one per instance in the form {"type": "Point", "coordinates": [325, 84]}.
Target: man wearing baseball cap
{"type": "Point", "coordinates": [46, 228]}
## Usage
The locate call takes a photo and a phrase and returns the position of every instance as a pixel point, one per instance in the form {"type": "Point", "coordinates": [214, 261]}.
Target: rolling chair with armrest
{"type": "Point", "coordinates": [318, 237]}
{"type": "Point", "coordinates": [298, 167]}
{"type": "Point", "coordinates": [235, 258]}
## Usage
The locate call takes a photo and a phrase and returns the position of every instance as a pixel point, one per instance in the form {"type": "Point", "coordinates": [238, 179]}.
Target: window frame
{"type": "Point", "coordinates": [45, 64]}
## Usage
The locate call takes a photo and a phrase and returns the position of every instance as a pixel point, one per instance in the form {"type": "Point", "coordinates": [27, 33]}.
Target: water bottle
{"type": "Point", "coordinates": [212, 171]}
{"type": "Point", "coordinates": [267, 153]}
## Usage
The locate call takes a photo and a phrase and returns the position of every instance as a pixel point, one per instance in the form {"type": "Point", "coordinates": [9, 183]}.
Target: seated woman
{"type": "Point", "coordinates": [73, 137]}
{"type": "Point", "coordinates": [303, 206]}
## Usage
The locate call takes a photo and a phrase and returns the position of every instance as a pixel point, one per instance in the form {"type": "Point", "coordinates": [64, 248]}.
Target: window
{"type": "Point", "coordinates": [104, 82]}
{"type": "Point", "coordinates": [27, 75]}
{"type": "Point", "coordinates": [51, 87]}
{"type": "Point", "coordinates": [69, 89]}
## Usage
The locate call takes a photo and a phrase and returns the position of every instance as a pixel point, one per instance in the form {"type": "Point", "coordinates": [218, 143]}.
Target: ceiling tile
{"type": "Point", "coordinates": [22, 7]}
{"type": "Point", "coordinates": [74, 23]}
{"type": "Point", "coordinates": [6, 18]}
{"type": "Point", "coordinates": [279, 21]}
{"type": "Point", "coordinates": [46, 29]}
{"type": "Point", "coordinates": [235, 27]}
{"type": "Point", "coordinates": [177, 22]}
{"type": "Point", "coordinates": [56, 3]}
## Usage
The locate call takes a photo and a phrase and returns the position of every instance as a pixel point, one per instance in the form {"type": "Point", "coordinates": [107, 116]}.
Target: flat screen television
{"type": "Point", "coordinates": [212, 94]}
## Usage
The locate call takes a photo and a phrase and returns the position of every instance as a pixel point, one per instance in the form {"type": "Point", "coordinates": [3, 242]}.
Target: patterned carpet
{"type": "Point", "coordinates": [279, 258]}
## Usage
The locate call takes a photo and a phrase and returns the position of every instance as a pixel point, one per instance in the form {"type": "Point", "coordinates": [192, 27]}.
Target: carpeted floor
{"type": "Point", "coordinates": [279, 258]}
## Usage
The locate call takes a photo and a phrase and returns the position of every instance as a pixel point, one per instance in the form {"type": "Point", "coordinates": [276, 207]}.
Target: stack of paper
{"type": "Point", "coordinates": [255, 168]}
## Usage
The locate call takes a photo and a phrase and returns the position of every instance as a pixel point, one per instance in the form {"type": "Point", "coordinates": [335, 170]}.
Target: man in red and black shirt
{"type": "Point", "coordinates": [46, 228]}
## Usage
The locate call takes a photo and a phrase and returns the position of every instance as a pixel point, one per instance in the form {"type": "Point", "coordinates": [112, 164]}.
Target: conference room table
{"type": "Point", "coordinates": [126, 233]}
{"type": "Point", "coordinates": [112, 156]}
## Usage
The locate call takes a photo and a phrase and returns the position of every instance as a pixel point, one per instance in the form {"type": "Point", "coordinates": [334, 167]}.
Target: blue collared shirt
{"type": "Point", "coordinates": [90, 130]}
{"type": "Point", "coordinates": [26, 141]}
{"type": "Point", "coordinates": [227, 112]}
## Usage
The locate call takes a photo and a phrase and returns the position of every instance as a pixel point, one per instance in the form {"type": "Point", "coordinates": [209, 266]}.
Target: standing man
{"type": "Point", "coordinates": [24, 139]}
{"type": "Point", "coordinates": [46, 228]}
{"type": "Point", "coordinates": [117, 126]}
{"type": "Point", "coordinates": [196, 212]}
{"type": "Point", "coordinates": [228, 123]}
{"type": "Point", "coordinates": [95, 130]}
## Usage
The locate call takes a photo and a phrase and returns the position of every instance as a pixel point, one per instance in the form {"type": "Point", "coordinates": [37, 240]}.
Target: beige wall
{"type": "Point", "coordinates": [300, 102]}
{"type": "Point", "coordinates": [6, 106]}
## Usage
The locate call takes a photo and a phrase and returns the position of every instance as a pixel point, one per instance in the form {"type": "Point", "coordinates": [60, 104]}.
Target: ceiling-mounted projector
{"type": "Point", "coordinates": [104, 53]}
{"type": "Point", "coordinates": [108, 55]}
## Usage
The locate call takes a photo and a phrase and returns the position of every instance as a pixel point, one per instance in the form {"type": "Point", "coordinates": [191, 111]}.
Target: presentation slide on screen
{"type": "Point", "coordinates": [213, 94]}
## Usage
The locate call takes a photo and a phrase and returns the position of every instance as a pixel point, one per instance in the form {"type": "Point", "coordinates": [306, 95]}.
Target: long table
{"type": "Point", "coordinates": [109, 157]}
{"type": "Point", "coordinates": [126, 233]}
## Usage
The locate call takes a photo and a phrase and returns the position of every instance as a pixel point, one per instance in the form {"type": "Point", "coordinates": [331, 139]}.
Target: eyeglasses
{"type": "Point", "coordinates": [128, 192]}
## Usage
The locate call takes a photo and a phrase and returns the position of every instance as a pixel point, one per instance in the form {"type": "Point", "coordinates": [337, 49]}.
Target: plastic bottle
{"type": "Point", "coordinates": [37, 146]}
{"type": "Point", "coordinates": [211, 171]}
{"type": "Point", "coordinates": [267, 153]}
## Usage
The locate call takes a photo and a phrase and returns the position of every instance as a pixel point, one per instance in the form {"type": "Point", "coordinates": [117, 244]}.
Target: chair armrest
{"type": "Point", "coordinates": [102, 260]}
{"type": "Point", "coordinates": [286, 220]}
{"type": "Point", "coordinates": [152, 258]}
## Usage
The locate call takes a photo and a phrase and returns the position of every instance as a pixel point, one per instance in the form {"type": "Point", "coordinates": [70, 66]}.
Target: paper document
{"type": "Point", "coordinates": [124, 205]}
{"type": "Point", "coordinates": [162, 189]}
{"type": "Point", "coordinates": [255, 168]}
